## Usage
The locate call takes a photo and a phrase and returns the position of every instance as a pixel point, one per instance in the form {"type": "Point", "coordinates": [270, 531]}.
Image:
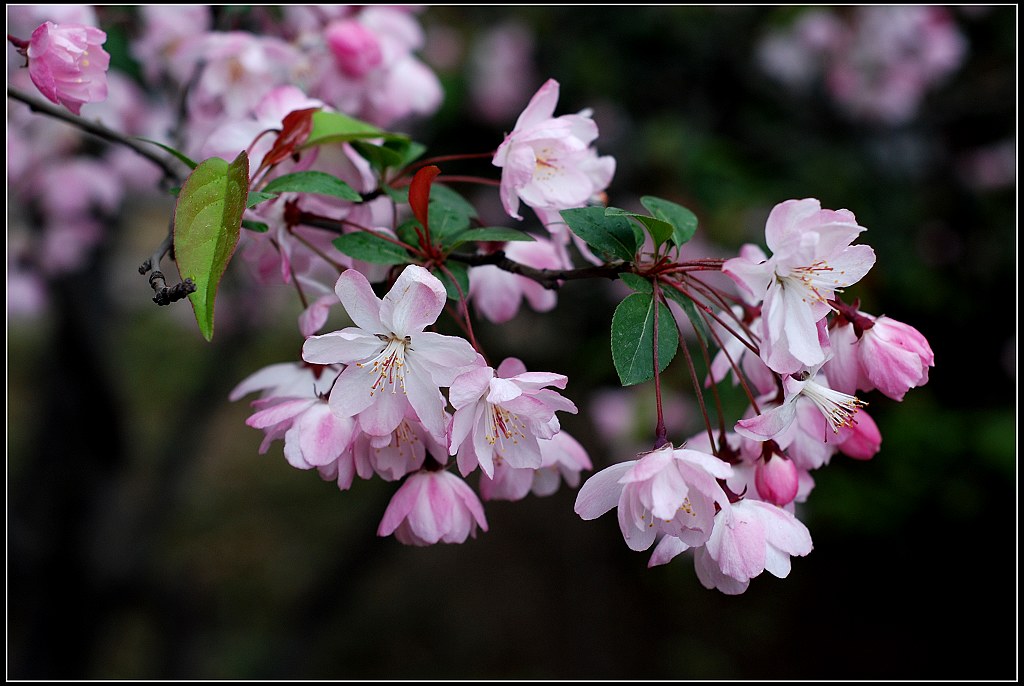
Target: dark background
{"type": "Point", "coordinates": [148, 539]}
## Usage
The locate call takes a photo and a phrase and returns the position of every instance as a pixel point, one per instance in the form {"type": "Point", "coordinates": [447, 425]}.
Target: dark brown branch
{"type": "Point", "coordinates": [165, 294]}
{"type": "Point", "coordinates": [549, 278]}
{"type": "Point", "coordinates": [95, 129]}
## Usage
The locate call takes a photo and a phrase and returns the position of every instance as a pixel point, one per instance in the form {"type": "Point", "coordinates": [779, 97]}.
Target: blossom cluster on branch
{"type": "Point", "coordinates": [300, 173]}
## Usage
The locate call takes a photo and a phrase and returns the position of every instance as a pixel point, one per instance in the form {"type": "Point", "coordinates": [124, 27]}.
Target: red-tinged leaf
{"type": "Point", "coordinates": [295, 129]}
{"type": "Point", "coordinates": [207, 222]}
{"type": "Point", "coordinates": [419, 193]}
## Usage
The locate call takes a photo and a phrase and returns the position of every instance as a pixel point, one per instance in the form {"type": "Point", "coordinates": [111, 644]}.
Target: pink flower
{"type": "Point", "coordinates": [837, 408]}
{"type": "Point", "coordinates": [401, 452]}
{"type": "Point", "coordinates": [355, 48]}
{"type": "Point", "coordinates": [894, 357]}
{"type": "Point", "coordinates": [547, 162]}
{"type": "Point", "coordinates": [292, 407]}
{"type": "Point", "coordinates": [749, 538]}
{"type": "Point", "coordinates": [811, 258]}
{"type": "Point", "coordinates": [497, 294]}
{"type": "Point", "coordinates": [392, 362]}
{"type": "Point", "coordinates": [431, 507]}
{"type": "Point", "coordinates": [563, 458]}
{"type": "Point", "coordinates": [500, 415]}
{"type": "Point", "coordinates": [863, 440]}
{"type": "Point", "coordinates": [671, 491]}
{"type": "Point", "coordinates": [777, 480]}
{"type": "Point", "coordinates": [68, 64]}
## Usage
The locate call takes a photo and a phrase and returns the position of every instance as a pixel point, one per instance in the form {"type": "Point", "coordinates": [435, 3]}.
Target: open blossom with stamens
{"type": "Point", "coordinates": [670, 491]}
{"type": "Point", "coordinates": [563, 458]}
{"type": "Point", "coordinates": [500, 414]}
{"type": "Point", "coordinates": [838, 409]}
{"type": "Point", "coordinates": [812, 257]}
{"type": "Point", "coordinates": [401, 452]}
{"type": "Point", "coordinates": [68, 64]}
{"type": "Point", "coordinates": [392, 362]}
{"type": "Point", "coordinates": [547, 161]}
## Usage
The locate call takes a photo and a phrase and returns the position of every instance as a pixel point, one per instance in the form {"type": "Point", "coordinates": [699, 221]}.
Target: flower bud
{"type": "Point", "coordinates": [895, 357]}
{"type": "Point", "coordinates": [355, 47]}
{"type": "Point", "coordinates": [864, 438]}
{"type": "Point", "coordinates": [67, 64]}
{"type": "Point", "coordinates": [776, 480]}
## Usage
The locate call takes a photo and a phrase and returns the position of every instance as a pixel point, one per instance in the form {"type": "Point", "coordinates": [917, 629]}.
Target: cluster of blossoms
{"type": "Point", "coordinates": [389, 397]}
{"type": "Point", "coordinates": [877, 63]}
{"type": "Point", "coordinates": [357, 60]}
{"type": "Point", "coordinates": [802, 354]}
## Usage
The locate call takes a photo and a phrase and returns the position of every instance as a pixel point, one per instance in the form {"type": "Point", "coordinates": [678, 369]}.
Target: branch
{"type": "Point", "coordinates": [165, 295]}
{"type": "Point", "coordinates": [549, 278]}
{"type": "Point", "coordinates": [96, 129]}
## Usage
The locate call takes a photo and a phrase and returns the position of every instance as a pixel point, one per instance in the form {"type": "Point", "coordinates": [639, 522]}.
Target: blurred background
{"type": "Point", "coordinates": [147, 538]}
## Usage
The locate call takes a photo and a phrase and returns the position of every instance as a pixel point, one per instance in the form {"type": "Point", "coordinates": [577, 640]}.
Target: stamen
{"type": "Point", "coordinates": [839, 409]}
{"type": "Point", "coordinates": [388, 365]}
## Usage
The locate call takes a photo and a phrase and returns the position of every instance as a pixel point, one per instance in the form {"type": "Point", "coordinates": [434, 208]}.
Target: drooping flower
{"type": "Point", "coordinates": [68, 64]}
{"type": "Point", "coordinates": [497, 293]}
{"type": "Point", "coordinates": [547, 161]}
{"type": "Point", "coordinates": [670, 491]}
{"type": "Point", "coordinates": [894, 357]}
{"type": "Point", "coordinates": [838, 409]}
{"type": "Point", "coordinates": [292, 407]}
{"type": "Point", "coordinates": [432, 507]}
{"type": "Point", "coordinates": [812, 257]}
{"type": "Point", "coordinates": [563, 458]}
{"type": "Point", "coordinates": [392, 362]}
{"type": "Point", "coordinates": [500, 415]}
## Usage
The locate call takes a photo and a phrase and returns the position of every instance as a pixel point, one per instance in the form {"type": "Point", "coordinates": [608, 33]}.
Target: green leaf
{"type": "Point", "coordinates": [633, 338]}
{"type": "Point", "coordinates": [407, 231]}
{"type": "Point", "coordinates": [369, 247]}
{"type": "Point", "coordinates": [380, 157]}
{"type": "Point", "coordinates": [335, 127]}
{"type": "Point", "coordinates": [258, 227]}
{"type": "Point", "coordinates": [659, 230]}
{"type": "Point", "coordinates": [488, 233]}
{"type": "Point", "coordinates": [412, 152]}
{"type": "Point", "coordinates": [449, 213]}
{"type": "Point", "coordinates": [461, 273]}
{"type": "Point", "coordinates": [699, 325]}
{"type": "Point", "coordinates": [256, 197]}
{"type": "Point", "coordinates": [189, 162]}
{"type": "Point", "coordinates": [683, 221]}
{"type": "Point", "coordinates": [636, 282]}
{"type": "Point", "coordinates": [313, 182]}
{"type": "Point", "coordinates": [207, 222]}
{"type": "Point", "coordinates": [614, 236]}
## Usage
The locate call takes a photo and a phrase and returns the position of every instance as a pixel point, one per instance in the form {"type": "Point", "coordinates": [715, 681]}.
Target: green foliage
{"type": "Point", "coordinates": [449, 214]}
{"type": "Point", "coordinates": [659, 230]}
{"type": "Point", "coordinates": [369, 247]}
{"type": "Point", "coordinates": [313, 182]}
{"type": "Point", "coordinates": [487, 233]}
{"type": "Point", "coordinates": [699, 325]}
{"type": "Point", "coordinates": [636, 282]}
{"type": "Point", "coordinates": [188, 161]}
{"type": "Point", "coordinates": [461, 273]}
{"type": "Point", "coordinates": [633, 338]}
{"type": "Point", "coordinates": [614, 236]}
{"type": "Point", "coordinates": [682, 220]}
{"type": "Point", "coordinates": [207, 222]}
{"type": "Point", "coordinates": [335, 127]}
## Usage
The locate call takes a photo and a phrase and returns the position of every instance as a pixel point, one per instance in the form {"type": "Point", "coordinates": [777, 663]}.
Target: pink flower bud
{"type": "Point", "coordinates": [895, 357]}
{"type": "Point", "coordinates": [864, 438]}
{"type": "Point", "coordinates": [777, 480]}
{"type": "Point", "coordinates": [67, 64]}
{"type": "Point", "coordinates": [355, 47]}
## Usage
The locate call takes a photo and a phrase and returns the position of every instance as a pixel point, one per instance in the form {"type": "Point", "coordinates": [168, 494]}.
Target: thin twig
{"type": "Point", "coordinates": [96, 129]}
